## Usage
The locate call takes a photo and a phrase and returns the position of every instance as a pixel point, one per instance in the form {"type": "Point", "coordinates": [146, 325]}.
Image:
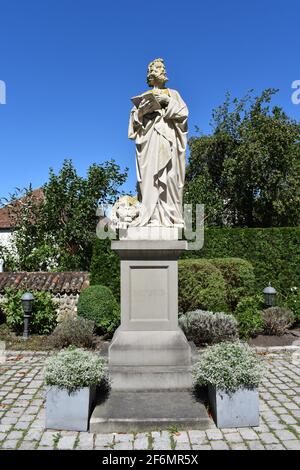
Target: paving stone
{"type": "Point", "coordinates": [292, 445]}
{"type": "Point", "coordinates": [284, 435]}
{"type": "Point", "coordinates": [219, 445]}
{"type": "Point", "coordinates": [86, 441]}
{"type": "Point", "coordinates": [66, 442]}
{"type": "Point", "coordinates": [239, 446]}
{"type": "Point", "coordinates": [214, 434]}
{"type": "Point", "coordinates": [9, 444]}
{"type": "Point", "coordinates": [126, 445]}
{"type": "Point", "coordinates": [197, 437]}
{"type": "Point", "coordinates": [14, 435]}
{"type": "Point", "coordinates": [234, 437]}
{"type": "Point", "coordinates": [27, 445]}
{"type": "Point", "coordinates": [48, 438]}
{"type": "Point", "coordinates": [268, 438]}
{"type": "Point", "coordinates": [202, 447]}
{"type": "Point", "coordinates": [274, 447]}
{"type": "Point", "coordinates": [33, 435]}
{"type": "Point", "coordinates": [103, 440]}
{"type": "Point", "coordinates": [248, 434]}
{"type": "Point", "coordinates": [255, 445]}
{"type": "Point", "coordinates": [288, 419]}
{"type": "Point", "coordinates": [141, 441]}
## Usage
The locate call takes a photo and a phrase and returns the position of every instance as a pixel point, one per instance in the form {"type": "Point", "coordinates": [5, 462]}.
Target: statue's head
{"type": "Point", "coordinates": [156, 72]}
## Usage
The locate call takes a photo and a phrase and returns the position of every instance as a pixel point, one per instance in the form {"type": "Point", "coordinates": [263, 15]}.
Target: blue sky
{"type": "Point", "coordinates": [71, 66]}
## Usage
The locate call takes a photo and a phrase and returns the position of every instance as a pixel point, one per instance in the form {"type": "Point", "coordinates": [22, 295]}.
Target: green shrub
{"type": "Point", "coordinates": [276, 320]}
{"type": "Point", "coordinates": [97, 303]}
{"type": "Point", "coordinates": [201, 286]}
{"type": "Point", "coordinates": [43, 318]}
{"type": "Point", "coordinates": [239, 278]}
{"type": "Point", "coordinates": [291, 301]}
{"type": "Point", "coordinates": [228, 367]}
{"type": "Point", "coordinates": [73, 369]}
{"type": "Point", "coordinates": [248, 315]}
{"type": "Point", "coordinates": [273, 252]}
{"type": "Point", "coordinates": [75, 331]}
{"type": "Point", "coordinates": [105, 267]}
{"type": "Point", "coordinates": [208, 327]}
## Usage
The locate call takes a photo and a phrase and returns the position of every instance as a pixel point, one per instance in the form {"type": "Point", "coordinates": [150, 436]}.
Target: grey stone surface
{"type": "Point", "coordinates": [69, 411]}
{"type": "Point", "coordinates": [237, 409]}
{"type": "Point", "coordinates": [149, 351]}
{"type": "Point", "coordinates": [143, 411]}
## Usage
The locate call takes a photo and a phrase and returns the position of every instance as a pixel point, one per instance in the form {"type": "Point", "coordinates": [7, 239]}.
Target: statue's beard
{"type": "Point", "coordinates": [159, 77]}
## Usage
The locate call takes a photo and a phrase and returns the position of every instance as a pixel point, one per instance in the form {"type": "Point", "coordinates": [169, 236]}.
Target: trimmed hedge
{"type": "Point", "coordinates": [273, 252]}
{"type": "Point", "coordinates": [97, 303]}
{"type": "Point", "coordinates": [201, 286]}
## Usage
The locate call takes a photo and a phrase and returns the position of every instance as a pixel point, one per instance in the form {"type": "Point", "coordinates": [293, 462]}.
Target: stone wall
{"type": "Point", "coordinates": [66, 304]}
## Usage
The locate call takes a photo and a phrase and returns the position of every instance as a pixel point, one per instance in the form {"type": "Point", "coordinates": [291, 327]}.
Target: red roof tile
{"type": "Point", "coordinates": [63, 282]}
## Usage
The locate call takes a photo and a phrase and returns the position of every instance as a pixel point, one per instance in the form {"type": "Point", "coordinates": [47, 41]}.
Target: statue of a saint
{"type": "Point", "coordinates": [158, 124]}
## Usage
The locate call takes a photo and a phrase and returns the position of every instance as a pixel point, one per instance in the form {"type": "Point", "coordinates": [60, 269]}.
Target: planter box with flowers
{"type": "Point", "coordinates": [71, 378]}
{"type": "Point", "coordinates": [232, 372]}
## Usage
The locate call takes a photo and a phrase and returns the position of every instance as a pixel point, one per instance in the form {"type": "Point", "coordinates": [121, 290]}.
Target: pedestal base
{"type": "Point", "coordinates": [149, 411]}
{"type": "Point", "coordinates": [149, 351]}
{"type": "Point", "coordinates": [150, 360]}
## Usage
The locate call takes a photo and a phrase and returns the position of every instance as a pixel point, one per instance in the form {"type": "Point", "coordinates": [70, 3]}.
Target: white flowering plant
{"type": "Point", "coordinates": [73, 369]}
{"type": "Point", "coordinates": [229, 367]}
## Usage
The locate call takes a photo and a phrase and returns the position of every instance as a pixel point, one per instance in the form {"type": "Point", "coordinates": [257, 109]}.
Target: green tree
{"type": "Point", "coordinates": [57, 230]}
{"type": "Point", "coordinates": [247, 172]}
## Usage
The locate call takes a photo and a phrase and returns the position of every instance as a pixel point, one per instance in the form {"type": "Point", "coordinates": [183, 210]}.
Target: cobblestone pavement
{"type": "Point", "coordinates": [22, 414]}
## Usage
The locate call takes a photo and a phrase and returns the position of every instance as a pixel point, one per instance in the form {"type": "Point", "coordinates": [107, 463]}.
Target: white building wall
{"type": "Point", "coordinates": [5, 238]}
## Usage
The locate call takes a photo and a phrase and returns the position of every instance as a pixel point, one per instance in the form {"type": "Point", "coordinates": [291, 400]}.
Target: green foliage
{"type": "Point", "coordinates": [229, 367]}
{"type": "Point", "coordinates": [75, 331]}
{"type": "Point", "coordinates": [247, 172]}
{"type": "Point", "coordinates": [105, 266]}
{"type": "Point", "coordinates": [291, 300]}
{"type": "Point", "coordinates": [208, 327]}
{"type": "Point", "coordinates": [73, 369]}
{"type": "Point", "coordinates": [249, 316]}
{"type": "Point", "coordinates": [57, 231]}
{"type": "Point", "coordinates": [43, 318]}
{"type": "Point", "coordinates": [273, 252]}
{"type": "Point", "coordinates": [98, 303]}
{"type": "Point", "coordinates": [239, 277]}
{"type": "Point", "coordinates": [201, 286]}
{"type": "Point", "coordinates": [276, 320]}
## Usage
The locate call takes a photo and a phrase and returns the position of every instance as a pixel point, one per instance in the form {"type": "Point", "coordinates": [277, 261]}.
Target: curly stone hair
{"type": "Point", "coordinates": [151, 70]}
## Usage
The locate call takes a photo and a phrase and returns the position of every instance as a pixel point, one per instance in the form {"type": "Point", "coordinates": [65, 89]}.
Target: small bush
{"type": "Point", "coordinates": [75, 331]}
{"type": "Point", "coordinates": [43, 318]}
{"type": "Point", "coordinates": [239, 278]}
{"type": "Point", "coordinates": [276, 320]}
{"type": "Point", "coordinates": [291, 301]}
{"type": "Point", "coordinates": [73, 369]}
{"type": "Point", "coordinates": [97, 303]}
{"type": "Point", "coordinates": [248, 315]}
{"type": "Point", "coordinates": [208, 327]}
{"type": "Point", "coordinates": [201, 286]}
{"type": "Point", "coordinates": [228, 367]}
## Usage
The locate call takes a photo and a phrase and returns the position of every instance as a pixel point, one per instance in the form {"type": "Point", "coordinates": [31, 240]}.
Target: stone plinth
{"type": "Point", "coordinates": [149, 351]}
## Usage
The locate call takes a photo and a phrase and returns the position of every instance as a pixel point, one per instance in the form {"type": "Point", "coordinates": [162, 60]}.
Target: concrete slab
{"type": "Point", "coordinates": [140, 411]}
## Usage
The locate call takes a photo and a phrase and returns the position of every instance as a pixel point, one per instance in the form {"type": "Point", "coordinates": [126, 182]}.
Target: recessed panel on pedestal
{"type": "Point", "coordinates": [148, 293]}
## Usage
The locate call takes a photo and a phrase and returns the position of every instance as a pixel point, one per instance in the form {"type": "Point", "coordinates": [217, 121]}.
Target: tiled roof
{"type": "Point", "coordinates": [62, 282]}
{"type": "Point", "coordinates": [5, 221]}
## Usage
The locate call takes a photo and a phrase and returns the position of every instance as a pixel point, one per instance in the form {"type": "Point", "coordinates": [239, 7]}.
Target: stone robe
{"type": "Point", "coordinates": [161, 141]}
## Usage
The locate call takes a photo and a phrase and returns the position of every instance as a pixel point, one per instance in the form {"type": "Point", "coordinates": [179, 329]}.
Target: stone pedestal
{"type": "Point", "coordinates": [149, 351]}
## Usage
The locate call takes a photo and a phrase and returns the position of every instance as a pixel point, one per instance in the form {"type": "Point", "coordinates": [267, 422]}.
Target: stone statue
{"type": "Point", "coordinates": [158, 124]}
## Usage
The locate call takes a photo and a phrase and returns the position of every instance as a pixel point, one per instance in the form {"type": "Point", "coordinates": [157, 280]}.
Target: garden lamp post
{"type": "Point", "coordinates": [27, 304]}
{"type": "Point", "coordinates": [270, 296]}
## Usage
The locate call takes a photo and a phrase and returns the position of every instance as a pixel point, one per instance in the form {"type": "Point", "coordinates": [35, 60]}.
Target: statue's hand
{"type": "Point", "coordinates": [163, 99]}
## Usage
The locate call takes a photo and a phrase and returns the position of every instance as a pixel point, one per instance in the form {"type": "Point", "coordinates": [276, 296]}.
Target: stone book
{"type": "Point", "coordinates": [148, 96]}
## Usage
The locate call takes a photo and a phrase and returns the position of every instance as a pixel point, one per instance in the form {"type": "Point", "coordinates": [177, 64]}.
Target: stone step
{"type": "Point", "coordinates": [137, 411]}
